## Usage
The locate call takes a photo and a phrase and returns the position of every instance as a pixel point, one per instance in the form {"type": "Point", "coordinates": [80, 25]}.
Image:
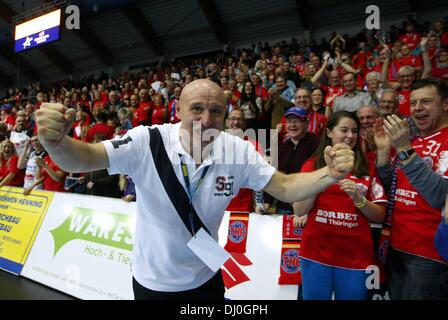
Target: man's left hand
{"type": "Point", "coordinates": [398, 131]}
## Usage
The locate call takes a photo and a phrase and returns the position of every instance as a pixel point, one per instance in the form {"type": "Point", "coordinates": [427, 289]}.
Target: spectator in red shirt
{"type": "Point", "coordinates": [10, 175]}
{"type": "Point", "coordinates": [100, 127]}
{"type": "Point", "coordinates": [411, 38]}
{"type": "Point", "coordinates": [442, 35]}
{"type": "Point", "coordinates": [440, 65]}
{"type": "Point", "coordinates": [53, 176]}
{"type": "Point", "coordinates": [145, 104]}
{"type": "Point", "coordinates": [408, 59]}
{"type": "Point", "coordinates": [159, 111]}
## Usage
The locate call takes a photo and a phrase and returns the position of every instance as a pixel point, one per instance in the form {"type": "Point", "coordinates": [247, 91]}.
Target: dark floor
{"type": "Point", "coordinates": [18, 288]}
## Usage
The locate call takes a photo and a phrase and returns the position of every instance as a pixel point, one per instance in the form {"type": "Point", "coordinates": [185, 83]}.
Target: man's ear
{"type": "Point", "coordinates": [445, 104]}
{"type": "Point", "coordinates": [178, 111]}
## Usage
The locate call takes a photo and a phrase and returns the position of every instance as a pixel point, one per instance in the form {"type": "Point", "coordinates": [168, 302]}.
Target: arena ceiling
{"type": "Point", "coordinates": [118, 32]}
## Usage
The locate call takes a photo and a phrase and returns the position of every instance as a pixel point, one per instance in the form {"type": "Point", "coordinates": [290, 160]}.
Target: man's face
{"type": "Point", "coordinates": [404, 50]}
{"type": "Point", "coordinates": [335, 80]}
{"type": "Point", "coordinates": [443, 56]}
{"type": "Point", "coordinates": [113, 97]}
{"type": "Point", "coordinates": [35, 144]}
{"type": "Point", "coordinates": [348, 81]}
{"type": "Point", "coordinates": [135, 101]}
{"type": "Point", "coordinates": [281, 83]}
{"type": "Point", "coordinates": [235, 121]}
{"type": "Point", "coordinates": [255, 79]}
{"type": "Point", "coordinates": [296, 127]}
{"type": "Point", "coordinates": [432, 42]}
{"type": "Point", "coordinates": [20, 123]}
{"type": "Point", "coordinates": [366, 117]}
{"type": "Point", "coordinates": [372, 84]}
{"type": "Point", "coordinates": [428, 110]}
{"type": "Point", "coordinates": [388, 104]}
{"type": "Point", "coordinates": [406, 79]}
{"type": "Point", "coordinates": [315, 61]}
{"type": "Point", "coordinates": [143, 95]}
{"type": "Point", "coordinates": [201, 107]}
{"type": "Point", "coordinates": [302, 98]}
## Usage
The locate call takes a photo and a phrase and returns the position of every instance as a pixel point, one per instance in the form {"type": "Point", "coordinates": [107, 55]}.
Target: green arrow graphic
{"type": "Point", "coordinates": [109, 228]}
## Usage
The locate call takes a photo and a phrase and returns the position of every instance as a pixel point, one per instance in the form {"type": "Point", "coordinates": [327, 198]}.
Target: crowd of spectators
{"type": "Point", "coordinates": [340, 90]}
{"type": "Point", "coordinates": [344, 73]}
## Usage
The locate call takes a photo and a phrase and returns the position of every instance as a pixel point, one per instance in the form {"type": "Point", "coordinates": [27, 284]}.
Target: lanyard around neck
{"type": "Point", "coordinates": [187, 179]}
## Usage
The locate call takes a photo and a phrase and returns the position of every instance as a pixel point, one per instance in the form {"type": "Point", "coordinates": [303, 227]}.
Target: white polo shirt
{"type": "Point", "coordinates": [161, 260]}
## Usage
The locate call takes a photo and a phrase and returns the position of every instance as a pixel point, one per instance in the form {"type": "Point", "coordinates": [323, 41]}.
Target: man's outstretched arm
{"type": "Point", "coordinates": [300, 186]}
{"type": "Point", "coordinates": [54, 121]}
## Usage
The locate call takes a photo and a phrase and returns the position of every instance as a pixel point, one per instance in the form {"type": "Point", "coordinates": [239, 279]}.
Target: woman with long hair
{"type": "Point", "coordinates": [250, 104]}
{"type": "Point", "coordinates": [337, 245]}
{"type": "Point", "coordinates": [10, 175]}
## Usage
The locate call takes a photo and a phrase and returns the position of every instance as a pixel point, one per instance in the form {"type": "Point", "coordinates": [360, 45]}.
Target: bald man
{"type": "Point", "coordinates": [185, 175]}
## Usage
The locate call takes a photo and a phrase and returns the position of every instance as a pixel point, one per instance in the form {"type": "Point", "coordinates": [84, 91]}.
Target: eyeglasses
{"type": "Point", "coordinates": [296, 121]}
{"type": "Point", "coordinates": [235, 119]}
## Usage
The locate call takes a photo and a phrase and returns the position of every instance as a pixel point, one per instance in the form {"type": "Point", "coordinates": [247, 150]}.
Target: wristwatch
{"type": "Point", "coordinates": [405, 155]}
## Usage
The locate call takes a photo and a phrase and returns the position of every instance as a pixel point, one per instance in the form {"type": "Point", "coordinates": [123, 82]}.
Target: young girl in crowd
{"type": "Point", "coordinates": [337, 245]}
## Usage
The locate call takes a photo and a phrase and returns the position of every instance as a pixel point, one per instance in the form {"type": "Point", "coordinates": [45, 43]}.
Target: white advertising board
{"type": "Point", "coordinates": [85, 242]}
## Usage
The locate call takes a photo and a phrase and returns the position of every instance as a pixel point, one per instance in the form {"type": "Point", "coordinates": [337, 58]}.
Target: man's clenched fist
{"type": "Point", "coordinates": [54, 121]}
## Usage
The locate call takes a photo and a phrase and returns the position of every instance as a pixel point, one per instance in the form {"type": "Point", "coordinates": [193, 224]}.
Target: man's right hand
{"type": "Point", "coordinates": [54, 121]}
{"type": "Point", "coordinates": [340, 160]}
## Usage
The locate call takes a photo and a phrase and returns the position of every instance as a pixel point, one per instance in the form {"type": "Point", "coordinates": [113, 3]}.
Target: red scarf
{"type": "Point", "coordinates": [290, 261]}
{"type": "Point", "coordinates": [238, 229]}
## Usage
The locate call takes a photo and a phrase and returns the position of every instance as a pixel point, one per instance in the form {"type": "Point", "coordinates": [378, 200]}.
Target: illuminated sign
{"type": "Point", "coordinates": [38, 31]}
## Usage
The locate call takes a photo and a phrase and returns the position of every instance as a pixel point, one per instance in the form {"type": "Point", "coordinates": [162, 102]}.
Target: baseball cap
{"type": "Point", "coordinates": [296, 111]}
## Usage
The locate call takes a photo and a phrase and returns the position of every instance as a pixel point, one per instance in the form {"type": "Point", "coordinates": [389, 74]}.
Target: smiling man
{"type": "Point", "coordinates": [184, 181]}
{"type": "Point", "coordinates": [417, 271]}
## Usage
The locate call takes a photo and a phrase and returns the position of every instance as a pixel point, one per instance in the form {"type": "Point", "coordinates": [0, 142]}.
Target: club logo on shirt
{"type": "Point", "coordinates": [224, 186]}
{"type": "Point", "coordinates": [237, 232]}
{"type": "Point", "coordinates": [291, 261]}
{"type": "Point", "coordinates": [118, 143]}
{"type": "Point", "coordinates": [377, 189]}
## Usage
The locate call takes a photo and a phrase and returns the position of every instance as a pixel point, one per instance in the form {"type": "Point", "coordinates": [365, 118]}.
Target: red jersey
{"type": "Point", "coordinates": [11, 167]}
{"type": "Point", "coordinates": [332, 92]}
{"type": "Point", "coordinates": [411, 39]}
{"type": "Point", "coordinates": [391, 73]}
{"type": "Point", "coordinates": [337, 233]}
{"type": "Point", "coordinates": [103, 128]}
{"type": "Point", "coordinates": [49, 183]}
{"type": "Point", "coordinates": [414, 221]}
{"type": "Point", "coordinates": [404, 99]}
{"type": "Point", "coordinates": [437, 70]}
{"type": "Point", "coordinates": [444, 39]}
{"type": "Point", "coordinates": [157, 116]}
{"type": "Point", "coordinates": [140, 115]}
{"type": "Point", "coordinates": [262, 93]}
{"type": "Point", "coordinates": [318, 122]}
{"type": "Point", "coordinates": [413, 61]}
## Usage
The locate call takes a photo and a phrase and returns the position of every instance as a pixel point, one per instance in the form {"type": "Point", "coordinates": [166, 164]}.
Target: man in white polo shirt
{"type": "Point", "coordinates": [163, 266]}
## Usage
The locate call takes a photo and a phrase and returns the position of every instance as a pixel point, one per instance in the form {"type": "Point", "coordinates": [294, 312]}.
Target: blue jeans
{"type": "Point", "coordinates": [319, 281]}
{"type": "Point", "coordinates": [416, 278]}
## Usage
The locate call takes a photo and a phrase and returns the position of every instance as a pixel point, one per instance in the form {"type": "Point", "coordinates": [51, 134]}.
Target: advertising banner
{"type": "Point", "coordinates": [20, 219]}
{"type": "Point", "coordinates": [84, 247]}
